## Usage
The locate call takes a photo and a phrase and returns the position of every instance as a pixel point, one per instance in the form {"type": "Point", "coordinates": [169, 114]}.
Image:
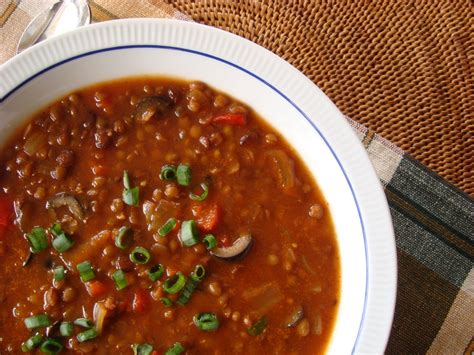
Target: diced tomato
{"type": "Point", "coordinates": [237, 119]}
{"type": "Point", "coordinates": [6, 211]}
{"type": "Point", "coordinates": [99, 170]}
{"type": "Point", "coordinates": [96, 288]}
{"type": "Point", "coordinates": [140, 301]}
{"type": "Point", "coordinates": [208, 217]}
{"type": "Point", "coordinates": [154, 352]}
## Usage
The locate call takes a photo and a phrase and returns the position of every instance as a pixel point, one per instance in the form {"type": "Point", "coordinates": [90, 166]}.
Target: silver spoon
{"type": "Point", "coordinates": [62, 16]}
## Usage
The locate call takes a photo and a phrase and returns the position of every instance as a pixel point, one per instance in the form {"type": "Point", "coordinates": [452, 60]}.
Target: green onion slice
{"type": "Point", "coordinates": [187, 291]}
{"type": "Point", "coordinates": [59, 273]}
{"type": "Point", "coordinates": [126, 180]}
{"type": "Point", "coordinates": [183, 174]}
{"type": "Point", "coordinates": [188, 235]}
{"type": "Point", "coordinates": [194, 278]}
{"type": "Point", "coordinates": [166, 301]}
{"type": "Point", "coordinates": [142, 349]}
{"type": "Point", "coordinates": [37, 239]}
{"type": "Point", "coordinates": [140, 255]}
{"type": "Point", "coordinates": [66, 329]}
{"type": "Point", "coordinates": [258, 327]}
{"type": "Point", "coordinates": [209, 241]}
{"type": "Point", "coordinates": [201, 197]}
{"type": "Point", "coordinates": [89, 334]}
{"type": "Point", "coordinates": [37, 321]}
{"type": "Point", "coordinates": [167, 227]}
{"type": "Point", "coordinates": [85, 271]}
{"type": "Point", "coordinates": [32, 343]}
{"type": "Point", "coordinates": [156, 272]}
{"type": "Point", "coordinates": [175, 283]}
{"type": "Point", "coordinates": [123, 238]}
{"type": "Point", "coordinates": [56, 229]}
{"type": "Point", "coordinates": [198, 273]}
{"type": "Point", "coordinates": [120, 279]}
{"type": "Point", "coordinates": [130, 195]}
{"type": "Point", "coordinates": [176, 349]}
{"type": "Point", "coordinates": [51, 346]}
{"type": "Point", "coordinates": [62, 243]}
{"type": "Point", "coordinates": [168, 172]}
{"type": "Point", "coordinates": [207, 322]}
{"type": "Point", "coordinates": [83, 322]}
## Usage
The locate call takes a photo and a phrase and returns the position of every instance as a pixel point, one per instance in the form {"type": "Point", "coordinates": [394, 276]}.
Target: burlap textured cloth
{"type": "Point", "coordinates": [401, 68]}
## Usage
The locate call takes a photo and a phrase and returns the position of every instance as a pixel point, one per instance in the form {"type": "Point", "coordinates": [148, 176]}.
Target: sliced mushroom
{"type": "Point", "coordinates": [65, 199]}
{"type": "Point", "coordinates": [151, 106]}
{"type": "Point", "coordinates": [236, 251]}
{"type": "Point", "coordinates": [295, 316]}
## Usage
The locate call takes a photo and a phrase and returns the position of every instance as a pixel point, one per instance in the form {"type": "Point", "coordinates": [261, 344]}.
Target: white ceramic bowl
{"type": "Point", "coordinates": [280, 94]}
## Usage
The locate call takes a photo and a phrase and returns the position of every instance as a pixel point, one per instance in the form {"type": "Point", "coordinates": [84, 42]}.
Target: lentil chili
{"type": "Point", "coordinates": [156, 216]}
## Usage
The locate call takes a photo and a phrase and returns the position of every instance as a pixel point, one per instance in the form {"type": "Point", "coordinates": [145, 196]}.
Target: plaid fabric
{"type": "Point", "coordinates": [434, 221]}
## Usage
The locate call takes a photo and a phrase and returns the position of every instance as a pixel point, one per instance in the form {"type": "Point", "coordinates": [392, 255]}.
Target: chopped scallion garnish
{"type": "Point", "coordinates": [83, 322]}
{"type": "Point", "coordinates": [37, 239]}
{"type": "Point", "coordinates": [168, 172]}
{"type": "Point", "coordinates": [62, 242]}
{"type": "Point", "coordinates": [167, 227]}
{"type": "Point", "coordinates": [126, 180]}
{"type": "Point", "coordinates": [209, 241]}
{"type": "Point", "coordinates": [85, 271]}
{"type": "Point", "coordinates": [59, 273]}
{"type": "Point", "coordinates": [201, 197]}
{"type": "Point", "coordinates": [176, 349]}
{"type": "Point", "coordinates": [156, 272]}
{"type": "Point", "coordinates": [37, 321]}
{"type": "Point", "coordinates": [191, 283]}
{"type": "Point", "coordinates": [123, 238]}
{"type": "Point", "coordinates": [187, 291]}
{"type": "Point", "coordinates": [130, 195]}
{"type": "Point", "coordinates": [258, 327]}
{"type": "Point", "coordinates": [188, 234]}
{"type": "Point", "coordinates": [120, 279]}
{"type": "Point", "coordinates": [140, 255]}
{"type": "Point", "coordinates": [32, 343]}
{"type": "Point", "coordinates": [175, 283]}
{"type": "Point", "coordinates": [183, 174]}
{"type": "Point", "coordinates": [166, 301]}
{"type": "Point", "coordinates": [89, 334]}
{"type": "Point", "coordinates": [142, 349]}
{"type": "Point", "coordinates": [66, 329]}
{"type": "Point", "coordinates": [51, 346]}
{"type": "Point", "coordinates": [207, 322]}
{"type": "Point", "coordinates": [198, 273]}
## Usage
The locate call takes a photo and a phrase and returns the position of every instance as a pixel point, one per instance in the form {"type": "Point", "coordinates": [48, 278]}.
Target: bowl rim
{"type": "Point", "coordinates": [17, 77]}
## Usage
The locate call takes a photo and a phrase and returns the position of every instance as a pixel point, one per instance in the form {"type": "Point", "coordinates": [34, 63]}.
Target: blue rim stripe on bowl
{"type": "Point", "coordinates": [259, 79]}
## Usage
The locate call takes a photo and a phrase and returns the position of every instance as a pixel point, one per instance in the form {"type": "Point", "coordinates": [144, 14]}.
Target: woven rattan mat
{"type": "Point", "coordinates": [402, 68]}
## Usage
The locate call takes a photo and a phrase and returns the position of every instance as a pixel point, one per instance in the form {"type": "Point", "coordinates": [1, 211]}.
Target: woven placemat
{"type": "Point", "coordinates": [402, 68]}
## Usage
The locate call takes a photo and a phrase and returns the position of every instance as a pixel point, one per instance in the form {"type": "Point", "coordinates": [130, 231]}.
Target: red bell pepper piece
{"type": "Point", "coordinates": [96, 288]}
{"type": "Point", "coordinates": [237, 119]}
{"type": "Point", "coordinates": [140, 301]}
{"type": "Point", "coordinates": [208, 217]}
